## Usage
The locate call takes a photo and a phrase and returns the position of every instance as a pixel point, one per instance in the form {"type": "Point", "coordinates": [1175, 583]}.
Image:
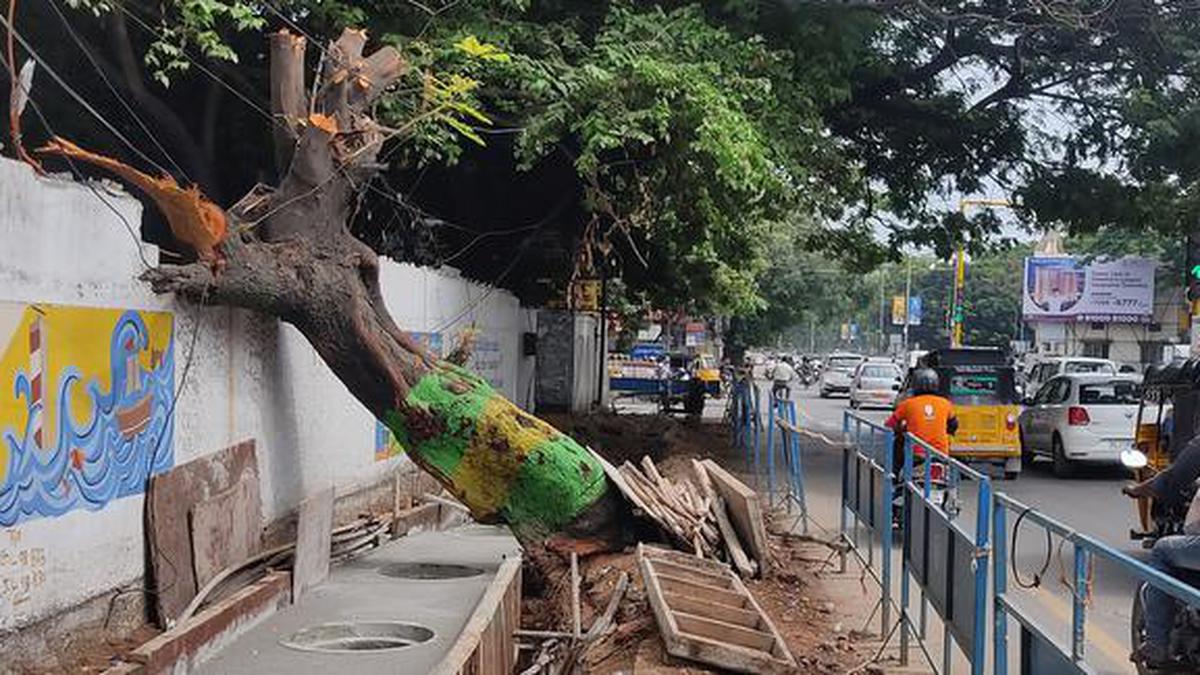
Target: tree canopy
{"type": "Point", "coordinates": [685, 143]}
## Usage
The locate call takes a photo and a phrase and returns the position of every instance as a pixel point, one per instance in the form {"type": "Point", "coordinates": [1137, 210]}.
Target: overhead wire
{"type": "Point", "coordinates": [200, 66]}
{"type": "Point", "coordinates": [116, 94]}
{"type": "Point", "coordinates": [79, 97]}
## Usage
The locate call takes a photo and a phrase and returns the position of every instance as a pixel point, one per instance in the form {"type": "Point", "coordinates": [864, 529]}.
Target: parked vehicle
{"type": "Point", "coordinates": [1075, 419]}
{"type": "Point", "coordinates": [1046, 369]}
{"type": "Point", "coordinates": [980, 383]}
{"type": "Point", "coordinates": [838, 373]}
{"type": "Point", "coordinates": [1165, 424]}
{"type": "Point", "coordinates": [876, 383]}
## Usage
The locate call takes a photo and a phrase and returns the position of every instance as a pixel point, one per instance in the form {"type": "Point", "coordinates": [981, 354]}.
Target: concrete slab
{"type": "Point", "coordinates": [357, 591]}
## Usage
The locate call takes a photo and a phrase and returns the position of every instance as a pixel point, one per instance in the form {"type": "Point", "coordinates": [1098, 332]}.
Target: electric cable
{"type": "Point", "coordinates": [117, 94]}
{"type": "Point", "coordinates": [78, 97]}
{"type": "Point", "coordinates": [1037, 576]}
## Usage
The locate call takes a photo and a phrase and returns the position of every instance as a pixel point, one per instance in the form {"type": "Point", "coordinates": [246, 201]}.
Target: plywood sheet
{"type": "Point", "coordinates": [744, 510]}
{"type": "Point", "coordinates": [226, 528]}
{"type": "Point", "coordinates": [314, 530]}
{"type": "Point", "coordinates": [169, 501]}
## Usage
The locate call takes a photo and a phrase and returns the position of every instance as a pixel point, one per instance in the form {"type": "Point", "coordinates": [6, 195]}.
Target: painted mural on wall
{"type": "Point", "coordinates": [86, 399]}
{"type": "Point", "coordinates": [386, 445]}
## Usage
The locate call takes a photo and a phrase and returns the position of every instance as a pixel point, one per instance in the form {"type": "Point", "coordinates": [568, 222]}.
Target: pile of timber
{"type": "Point", "coordinates": [683, 510]}
{"type": "Point", "coordinates": [710, 514]}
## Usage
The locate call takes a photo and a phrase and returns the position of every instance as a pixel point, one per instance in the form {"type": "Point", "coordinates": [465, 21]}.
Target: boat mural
{"type": "Point", "coordinates": [86, 403]}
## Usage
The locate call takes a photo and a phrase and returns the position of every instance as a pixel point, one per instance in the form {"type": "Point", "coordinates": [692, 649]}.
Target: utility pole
{"type": "Point", "coordinates": [882, 317]}
{"type": "Point", "coordinates": [957, 311]}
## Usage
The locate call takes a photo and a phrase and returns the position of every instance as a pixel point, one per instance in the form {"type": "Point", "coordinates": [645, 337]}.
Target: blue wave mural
{"type": "Point", "coordinates": [128, 437]}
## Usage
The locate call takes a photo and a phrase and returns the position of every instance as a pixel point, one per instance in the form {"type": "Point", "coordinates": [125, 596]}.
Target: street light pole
{"type": "Point", "coordinates": [907, 303]}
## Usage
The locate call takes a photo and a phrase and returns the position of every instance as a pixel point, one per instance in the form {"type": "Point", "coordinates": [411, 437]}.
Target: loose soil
{"type": "Point", "coordinates": [818, 636]}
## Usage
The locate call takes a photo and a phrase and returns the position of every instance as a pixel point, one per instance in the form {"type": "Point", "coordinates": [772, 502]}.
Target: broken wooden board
{"type": "Point", "coordinates": [744, 511]}
{"type": "Point", "coordinates": [737, 555]}
{"type": "Point", "coordinates": [226, 529]}
{"type": "Point", "coordinates": [314, 534]}
{"type": "Point", "coordinates": [169, 500]}
{"type": "Point", "coordinates": [705, 613]}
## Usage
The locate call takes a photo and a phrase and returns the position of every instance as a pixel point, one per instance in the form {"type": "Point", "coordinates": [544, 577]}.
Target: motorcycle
{"type": "Point", "coordinates": [1183, 651]}
{"type": "Point", "coordinates": [941, 494]}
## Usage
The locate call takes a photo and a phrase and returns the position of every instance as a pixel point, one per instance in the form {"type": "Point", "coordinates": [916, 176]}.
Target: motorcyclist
{"type": "Point", "coordinates": [1170, 553]}
{"type": "Point", "coordinates": [926, 415]}
{"type": "Point", "coordinates": [781, 376]}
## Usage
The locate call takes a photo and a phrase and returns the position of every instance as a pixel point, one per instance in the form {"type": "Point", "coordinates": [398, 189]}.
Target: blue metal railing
{"type": "Point", "coordinates": [1087, 549]}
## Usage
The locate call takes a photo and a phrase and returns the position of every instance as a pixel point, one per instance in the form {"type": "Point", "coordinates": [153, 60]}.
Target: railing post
{"type": "Point", "coordinates": [1000, 586]}
{"type": "Point", "coordinates": [982, 553]}
{"type": "Point", "coordinates": [842, 507]}
{"type": "Point", "coordinates": [772, 406]}
{"type": "Point", "coordinates": [757, 440]}
{"type": "Point", "coordinates": [1079, 613]}
{"type": "Point", "coordinates": [906, 544]}
{"type": "Point", "coordinates": [885, 536]}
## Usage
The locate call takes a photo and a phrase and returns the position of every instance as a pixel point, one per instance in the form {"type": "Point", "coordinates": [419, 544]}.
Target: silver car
{"type": "Point", "coordinates": [839, 373]}
{"type": "Point", "coordinates": [876, 384]}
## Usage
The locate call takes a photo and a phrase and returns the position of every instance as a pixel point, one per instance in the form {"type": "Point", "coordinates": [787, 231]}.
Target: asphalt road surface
{"type": "Point", "coordinates": [1090, 503]}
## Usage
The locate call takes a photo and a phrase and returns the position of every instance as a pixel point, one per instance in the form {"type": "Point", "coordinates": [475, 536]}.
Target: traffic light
{"type": "Point", "coordinates": [1192, 265]}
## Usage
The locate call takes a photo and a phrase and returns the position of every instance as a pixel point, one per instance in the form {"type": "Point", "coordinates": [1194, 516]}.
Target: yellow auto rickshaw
{"type": "Point", "coordinates": [982, 386]}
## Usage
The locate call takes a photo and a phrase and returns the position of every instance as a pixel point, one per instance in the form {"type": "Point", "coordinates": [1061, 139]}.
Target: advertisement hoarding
{"type": "Point", "coordinates": [1066, 289]}
{"type": "Point", "coordinates": [899, 310]}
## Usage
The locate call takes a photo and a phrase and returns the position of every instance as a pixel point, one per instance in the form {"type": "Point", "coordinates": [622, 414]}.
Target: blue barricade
{"type": "Point", "coordinates": [1041, 654]}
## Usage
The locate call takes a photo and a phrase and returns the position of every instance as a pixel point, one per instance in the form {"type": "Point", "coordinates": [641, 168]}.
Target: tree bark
{"type": "Point", "coordinates": [289, 254]}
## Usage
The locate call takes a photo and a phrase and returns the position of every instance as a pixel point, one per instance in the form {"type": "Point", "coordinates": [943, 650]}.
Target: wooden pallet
{"type": "Point", "coordinates": [705, 613]}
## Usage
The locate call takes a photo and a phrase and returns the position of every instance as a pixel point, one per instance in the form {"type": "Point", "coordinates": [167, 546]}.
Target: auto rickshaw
{"type": "Point", "coordinates": [1166, 422]}
{"type": "Point", "coordinates": [981, 384]}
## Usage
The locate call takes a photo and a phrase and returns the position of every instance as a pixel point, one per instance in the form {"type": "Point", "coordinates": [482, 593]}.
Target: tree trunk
{"type": "Point", "coordinates": [289, 254]}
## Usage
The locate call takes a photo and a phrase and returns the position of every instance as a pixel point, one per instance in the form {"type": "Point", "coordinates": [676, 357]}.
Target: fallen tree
{"type": "Point", "coordinates": [287, 252]}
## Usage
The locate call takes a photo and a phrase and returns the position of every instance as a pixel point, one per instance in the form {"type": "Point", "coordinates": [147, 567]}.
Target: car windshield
{"type": "Point", "coordinates": [1109, 393]}
{"type": "Point", "coordinates": [844, 362]}
{"type": "Point", "coordinates": [880, 373]}
{"type": "Point", "coordinates": [1089, 367]}
{"type": "Point", "coordinates": [985, 388]}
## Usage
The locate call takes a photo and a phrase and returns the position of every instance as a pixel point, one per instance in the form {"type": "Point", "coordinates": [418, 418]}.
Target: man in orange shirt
{"type": "Point", "coordinates": [925, 414]}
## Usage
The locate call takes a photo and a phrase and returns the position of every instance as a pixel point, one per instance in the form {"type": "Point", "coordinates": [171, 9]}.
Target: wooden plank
{"type": "Point", "coordinates": [737, 555]}
{"type": "Point", "coordinates": [724, 632]}
{"type": "Point", "coordinates": [685, 559]}
{"type": "Point", "coordinates": [723, 628]}
{"type": "Point", "coordinates": [226, 528]}
{"type": "Point", "coordinates": [490, 628]}
{"type": "Point", "coordinates": [679, 586]}
{"type": "Point", "coordinates": [184, 646]}
{"type": "Point", "coordinates": [715, 610]}
{"type": "Point", "coordinates": [745, 512]}
{"type": "Point", "coordinates": [720, 581]}
{"type": "Point", "coordinates": [169, 499]}
{"type": "Point", "coordinates": [314, 532]}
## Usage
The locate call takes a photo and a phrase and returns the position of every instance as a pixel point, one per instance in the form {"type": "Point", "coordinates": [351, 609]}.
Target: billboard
{"type": "Point", "coordinates": [899, 310]}
{"type": "Point", "coordinates": [1065, 289]}
{"type": "Point", "coordinates": [915, 310]}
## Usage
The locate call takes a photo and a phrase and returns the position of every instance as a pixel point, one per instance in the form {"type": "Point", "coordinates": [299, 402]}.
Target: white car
{"type": "Point", "coordinates": [1084, 418]}
{"type": "Point", "coordinates": [876, 383]}
{"type": "Point", "coordinates": [839, 373]}
{"type": "Point", "coordinates": [1046, 369]}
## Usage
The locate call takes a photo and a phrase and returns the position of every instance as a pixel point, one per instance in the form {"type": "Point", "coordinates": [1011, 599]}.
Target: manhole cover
{"type": "Point", "coordinates": [359, 636]}
{"type": "Point", "coordinates": [429, 571]}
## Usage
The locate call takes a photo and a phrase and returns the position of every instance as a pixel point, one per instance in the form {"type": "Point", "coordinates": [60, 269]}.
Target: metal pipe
{"type": "Point", "coordinates": [1000, 588]}
{"type": "Point", "coordinates": [982, 552]}
{"type": "Point", "coordinates": [1079, 604]}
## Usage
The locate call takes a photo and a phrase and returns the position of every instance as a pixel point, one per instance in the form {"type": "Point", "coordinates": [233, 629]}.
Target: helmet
{"type": "Point", "coordinates": [925, 381]}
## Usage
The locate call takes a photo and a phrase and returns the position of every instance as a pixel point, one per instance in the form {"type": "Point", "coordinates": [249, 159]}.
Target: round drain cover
{"type": "Point", "coordinates": [429, 571]}
{"type": "Point", "coordinates": [358, 636]}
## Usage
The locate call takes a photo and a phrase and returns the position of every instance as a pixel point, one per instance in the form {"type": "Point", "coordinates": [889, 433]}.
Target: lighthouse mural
{"type": "Point", "coordinates": [86, 406]}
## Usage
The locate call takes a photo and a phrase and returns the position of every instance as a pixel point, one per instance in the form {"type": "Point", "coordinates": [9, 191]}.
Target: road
{"type": "Point", "coordinates": [1090, 503]}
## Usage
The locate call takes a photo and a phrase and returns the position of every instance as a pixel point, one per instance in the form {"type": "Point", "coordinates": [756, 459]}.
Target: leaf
{"type": "Point", "coordinates": [481, 50]}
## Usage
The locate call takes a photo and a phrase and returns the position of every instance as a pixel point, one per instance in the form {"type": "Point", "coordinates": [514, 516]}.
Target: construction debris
{"type": "Point", "coordinates": [705, 613]}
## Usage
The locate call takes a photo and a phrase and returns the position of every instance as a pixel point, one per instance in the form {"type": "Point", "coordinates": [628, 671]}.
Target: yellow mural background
{"type": "Point", "coordinates": [72, 336]}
